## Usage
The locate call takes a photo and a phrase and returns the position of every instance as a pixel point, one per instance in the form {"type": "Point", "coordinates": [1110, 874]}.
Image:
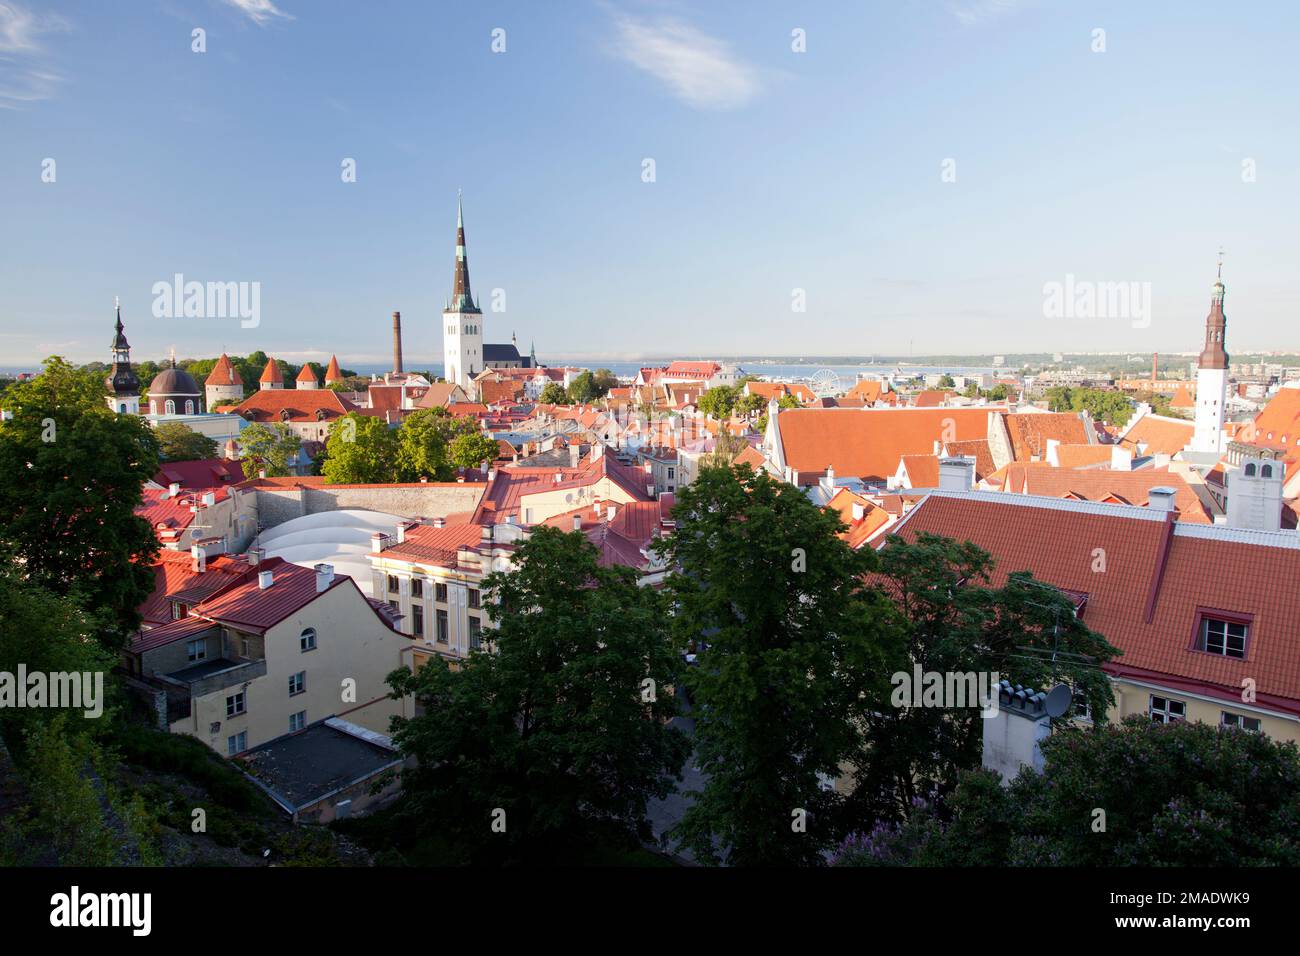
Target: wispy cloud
{"type": "Point", "coordinates": [976, 11]}
{"type": "Point", "coordinates": [24, 76]}
{"type": "Point", "coordinates": [697, 68]}
{"type": "Point", "coordinates": [260, 12]}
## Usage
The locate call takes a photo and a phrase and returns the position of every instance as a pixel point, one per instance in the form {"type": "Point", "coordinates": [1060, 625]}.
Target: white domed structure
{"type": "Point", "coordinates": [340, 538]}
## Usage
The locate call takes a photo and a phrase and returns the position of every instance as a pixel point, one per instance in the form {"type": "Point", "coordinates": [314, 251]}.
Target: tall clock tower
{"type": "Point", "coordinates": [123, 387]}
{"type": "Point", "coordinates": [1212, 377]}
{"type": "Point", "coordinates": [462, 321]}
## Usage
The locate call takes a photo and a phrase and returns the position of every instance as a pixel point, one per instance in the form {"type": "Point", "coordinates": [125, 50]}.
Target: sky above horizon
{"type": "Point", "coordinates": [916, 176]}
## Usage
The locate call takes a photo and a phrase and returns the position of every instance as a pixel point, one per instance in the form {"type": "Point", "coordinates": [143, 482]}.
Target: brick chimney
{"type": "Point", "coordinates": [397, 342]}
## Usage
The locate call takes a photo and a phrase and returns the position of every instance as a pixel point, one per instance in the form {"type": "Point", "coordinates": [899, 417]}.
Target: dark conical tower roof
{"type": "Point", "coordinates": [461, 298]}
{"type": "Point", "coordinates": [122, 380]}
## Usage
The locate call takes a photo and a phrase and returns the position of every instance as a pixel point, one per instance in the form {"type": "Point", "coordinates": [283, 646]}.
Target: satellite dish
{"type": "Point", "coordinates": [1059, 699]}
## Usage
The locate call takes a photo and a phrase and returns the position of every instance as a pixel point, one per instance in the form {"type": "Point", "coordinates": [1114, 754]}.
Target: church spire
{"type": "Point", "coordinates": [1214, 354]}
{"type": "Point", "coordinates": [461, 298]}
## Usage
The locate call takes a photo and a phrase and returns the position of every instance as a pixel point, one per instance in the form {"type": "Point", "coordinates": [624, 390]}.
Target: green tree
{"type": "Point", "coordinates": [554, 394]}
{"type": "Point", "coordinates": [360, 450]}
{"type": "Point", "coordinates": [471, 449]}
{"type": "Point", "coordinates": [603, 379]}
{"type": "Point", "coordinates": [719, 402]}
{"type": "Point", "coordinates": [947, 381]}
{"type": "Point", "coordinates": [784, 402]}
{"type": "Point", "coordinates": [955, 622]}
{"type": "Point", "coordinates": [559, 733]}
{"type": "Point", "coordinates": [797, 650]}
{"type": "Point", "coordinates": [583, 389]}
{"type": "Point", "coordinates": [179, 442]}
{"type": "Point", "coordinates": [273, 445]}
{"type": "Point", "coordinates": [1178, 795]}
{"type": "Point", "coordinates": [72, 473]}
{"type": "Point", "coordinates": [423, 445]}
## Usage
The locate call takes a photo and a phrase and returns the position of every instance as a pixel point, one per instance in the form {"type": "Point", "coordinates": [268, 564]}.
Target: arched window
{"type": "Point", "coordinates": [189, 407]}
{"type": "Point", "coordinates": [170, 407]}
{"type": "Point", "coordinates": [122, 408]}
{"type": "Point", "coordinates": [153, 408]}
{"type": "Point", "coordinates": [307, 640]}
{"type": "Point", "coordinates": [1250, 470]}
{"type": "Point", "coordinates": [1266, 471]}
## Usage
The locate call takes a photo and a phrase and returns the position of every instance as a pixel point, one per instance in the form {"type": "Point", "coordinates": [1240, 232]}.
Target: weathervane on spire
{"type": "Point", "coordinates": [1220, 262]}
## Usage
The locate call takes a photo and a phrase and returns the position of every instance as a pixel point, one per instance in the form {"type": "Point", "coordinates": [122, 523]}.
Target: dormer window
{"type": "Point", "coordinates": [1222, 633]}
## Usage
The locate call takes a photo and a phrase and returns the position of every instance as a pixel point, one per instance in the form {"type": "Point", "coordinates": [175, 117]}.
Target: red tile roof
{"type": "Point", "coordinates": [308, 405]}
{"type": "Point", "coordinates": [1082, 456]}
{"type": "Point", "coordinates": [860, 530]}
{"type": "Point", "coordinates": [871, 390]}
{"type": "Point", "coordinates": [1277, 425]}
{"type": "Point", "coordinates": [332, 373]}
{"type": "Point", "coordinates": [223, 373]}
{"type": "Point", "coordinates": [426, 544]}
{"type": "Point", "coordinates": [249, 607]}
{"type": "Point", "coordinates": [1030, 432]}
{"type": "Point", "coordinates": [1160, 435]}
{"type": "Point", "coordinates": [202, 473]}
{"type": "Point", "coordinates": [977, 448]}
{"type": "Point", "coordinates": [868, 443]}
{"type": "Point", "coordinates": [306, 375]}
{"type": "Point", "coordinates": [170, 516]}
{"type": "Point", "coordinates": [922, 470]}
{"type": "Point", "coordinates": [1102, 484]}
{"type": "Point", "coordinates": [1157, 574]}
{"type": "Point", "coordinates": [695, 370]}
{"type": "Point", "coordinates": [272, 375]}
{"type": "Point", "coordinates": [930, 398]}
{"type": "Point", "coordinates": [176, 579]}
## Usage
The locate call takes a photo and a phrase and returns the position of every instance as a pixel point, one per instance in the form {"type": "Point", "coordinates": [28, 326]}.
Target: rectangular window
{"type": "Point", "coordinates": [297, 683]}
{"type": "Point", "coordinates": [297, 721]}
{"type": "Point", "coordinates": [1166, 711]}
{"type": "Point", "coordinates": [392, 584]}
{"type": "Point", "coordinates": [417, 620]}
{"type": "Point", "coordinates": [417, 587]}
{"type": "Point", "coordinates": [235, 704]}
{"type": "Point", "coordinates": [1223, 637]}
{"type": "Point", "coordinates": [196, 651]}
{"type": "Point", "coordinates": [475, 633]}
{"type": "Point", "coordinates": [442, 627]}
{"type": "Point", "coordinates": [473, 597]}
{"type": "Point", "coordinates": [440, 593]}
{"type": "Point", "coordinates": [1241, 721]}
{"type": "Point", "coordinates": [237, 743]}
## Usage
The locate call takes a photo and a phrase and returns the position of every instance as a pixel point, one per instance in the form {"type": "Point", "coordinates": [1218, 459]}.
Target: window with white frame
{"type": "Point", "coordinates": [1241, 721]}
{"type": "Point", "coordinates": [307, 640]}
{"type": "Point", "coordinates": [297, 721]}
{"type": "Point", "coordinates": [1224, 637]}
{"type": "Point", "coordinates": [196, 650]}
{"type": "Point", "coordinates": [235, 704]}
{"type": "Point", "coordinates": [297, 683]}
{"type": "Point", "coordinates": [1165, 710]}
{"type": "Point", "coordinates": [237, 743]}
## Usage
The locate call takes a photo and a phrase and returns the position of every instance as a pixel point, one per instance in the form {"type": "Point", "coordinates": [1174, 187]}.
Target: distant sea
{"type": "Point", "coordinates": [790, 372]}
{"type": "Point", "coordinates": [777, 372]}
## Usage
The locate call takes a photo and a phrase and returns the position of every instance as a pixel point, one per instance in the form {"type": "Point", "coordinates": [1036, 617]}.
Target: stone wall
{"type": "Point", "coordinates": [278, 505]}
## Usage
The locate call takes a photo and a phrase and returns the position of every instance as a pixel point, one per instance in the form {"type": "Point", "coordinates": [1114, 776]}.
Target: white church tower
{"type": "Point", "coordinates": [1212, 378]}
{"type": "Point", "coordinates": [462, 321]}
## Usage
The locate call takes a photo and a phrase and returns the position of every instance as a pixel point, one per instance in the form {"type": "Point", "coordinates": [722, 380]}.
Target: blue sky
{"type": "Point", "coordinates": [775, 170]}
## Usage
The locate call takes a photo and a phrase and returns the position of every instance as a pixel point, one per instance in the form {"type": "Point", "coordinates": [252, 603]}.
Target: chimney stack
{"type": "Point", "coordinates": [255, 556]}
{"type": "Point", "coordinates": [379, 541]}
{"type": "Point", "coordinates": [265, 579]}
{"type": "Point", "coordinates": [200, 555]}
{"type": "Point", "coordinates": [397, 342]}
{"type": "Point", "coordinates": [1161, 498]}
{"type": "Point", "coordinates": [577, 522]}
{"type": "Point", "coordinates": [324, 577]}
{"type": "Point", "coordinates": [174, 489]}
{"type": "Point", "coordinates": [956, 474]}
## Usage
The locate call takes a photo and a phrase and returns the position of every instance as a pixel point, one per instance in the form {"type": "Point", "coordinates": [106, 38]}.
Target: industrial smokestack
{"type": "Point", "coordinates": [397, 342]}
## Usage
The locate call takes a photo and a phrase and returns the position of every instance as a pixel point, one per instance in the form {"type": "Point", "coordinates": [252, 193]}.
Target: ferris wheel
{"type": "Point", "coordinates": [825, 384]}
